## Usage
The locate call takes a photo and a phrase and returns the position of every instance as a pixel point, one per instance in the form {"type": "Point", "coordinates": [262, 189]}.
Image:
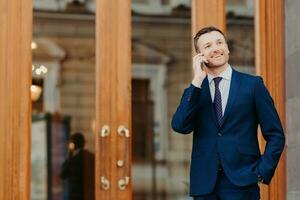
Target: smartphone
{"type": "Point", "coordinates": [204, 63]}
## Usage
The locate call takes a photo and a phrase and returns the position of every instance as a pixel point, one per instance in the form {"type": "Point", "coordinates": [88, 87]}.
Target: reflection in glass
{"type": "Point", "coordinates": [161, 68]}
{"type": "Point", "coordinates": [63, 51]}
{"type": "Point", "coordinates": [240, 35]}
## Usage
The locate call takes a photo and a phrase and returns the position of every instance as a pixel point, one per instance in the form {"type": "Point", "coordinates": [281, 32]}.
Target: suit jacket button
{"type": "Point", "coordinates": [220, 134]}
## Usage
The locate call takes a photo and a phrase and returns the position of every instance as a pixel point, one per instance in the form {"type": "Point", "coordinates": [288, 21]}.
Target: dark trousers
{"type": "Point", "coordinates": [225, 190]}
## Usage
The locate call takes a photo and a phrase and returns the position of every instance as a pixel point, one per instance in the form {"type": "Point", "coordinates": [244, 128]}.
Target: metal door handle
{"type": "Point", "coordinates": [104, 131]}
{"type": "Point", "coordinates": [123, 131]}
{"type": "Point", "coordinates": [105, 183]}
{"type": "Point", "coordinates": [124, 182]}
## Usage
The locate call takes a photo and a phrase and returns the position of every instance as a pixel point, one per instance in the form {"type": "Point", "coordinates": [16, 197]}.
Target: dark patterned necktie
{"type": "Point", "coordinates": [218, 101]}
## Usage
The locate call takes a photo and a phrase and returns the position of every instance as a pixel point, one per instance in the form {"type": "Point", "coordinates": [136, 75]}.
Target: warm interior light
{"type": "Point", "coordinates": [35, 92]}
{"type": "Point", "coordinates": [33, 45]}
{"type": "Point", "coordinates": [44, 69]}
{"type": "Point", "coordinates": [41, 70]}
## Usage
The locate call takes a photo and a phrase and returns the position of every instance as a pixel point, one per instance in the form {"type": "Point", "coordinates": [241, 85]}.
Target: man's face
{"type": "Point", "coordinates": [213, 46]}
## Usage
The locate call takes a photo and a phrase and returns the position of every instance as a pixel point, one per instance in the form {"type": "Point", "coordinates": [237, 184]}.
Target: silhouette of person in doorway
{"type": "Point", "coordinates": [72, 169]}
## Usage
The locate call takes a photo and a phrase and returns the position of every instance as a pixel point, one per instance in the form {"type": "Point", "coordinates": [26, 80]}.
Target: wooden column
{"type": "Point", "coordinates": [269, 35]}
{"type": "Point", "coordinates": [113, 99]}
{"type": "Point", "coordinates": [208, 13]}
{"type": "Point", "coordinates": [15, 102]}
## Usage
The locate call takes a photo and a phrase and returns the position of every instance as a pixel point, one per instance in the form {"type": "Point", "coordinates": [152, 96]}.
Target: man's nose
{"type": "Point", "coordinates": [216, 49]}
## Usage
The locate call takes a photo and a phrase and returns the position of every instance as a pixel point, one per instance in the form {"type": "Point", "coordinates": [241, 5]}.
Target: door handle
{"type": "Point", "coordinates": [105, 183]}
{"type": "Point", "coordinates": [124, 182]}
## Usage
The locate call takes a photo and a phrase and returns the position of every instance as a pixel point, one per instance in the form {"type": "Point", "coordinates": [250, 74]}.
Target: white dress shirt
{"type": "Point", "coordinates": [224, 86]}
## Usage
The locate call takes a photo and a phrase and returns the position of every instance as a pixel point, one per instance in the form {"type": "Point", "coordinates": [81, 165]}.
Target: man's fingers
{"type": "Point", "coordinates": [199, 60]}
{"type": "Point", "coordinates": [204, 68]}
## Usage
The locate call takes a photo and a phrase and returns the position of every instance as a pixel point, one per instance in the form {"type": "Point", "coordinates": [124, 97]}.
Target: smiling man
{"type": "Point", "coordinates": [223, 108]}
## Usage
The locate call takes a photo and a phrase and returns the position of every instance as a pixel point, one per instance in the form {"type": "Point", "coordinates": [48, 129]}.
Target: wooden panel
{"type": "Point", "coordinates": [15, 103]}
{"type": "Point", "coordinates": [113, 94]}
{"type": "Point", "coordinates": [269, 33]}
{"type": "Point", "coordinates": [208, 13]}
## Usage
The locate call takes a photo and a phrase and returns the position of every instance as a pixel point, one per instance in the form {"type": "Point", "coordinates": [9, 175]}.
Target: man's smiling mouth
{"type": "Point", "coordinates": [218, 56]}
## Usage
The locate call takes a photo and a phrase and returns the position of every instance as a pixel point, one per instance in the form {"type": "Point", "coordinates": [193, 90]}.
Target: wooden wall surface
{"type": "Point", "coordinates": [113, 97]}
{"type": "Point", "coordinates": [15, 102]}
{"type": "Point", "coordinates": [270, 64]}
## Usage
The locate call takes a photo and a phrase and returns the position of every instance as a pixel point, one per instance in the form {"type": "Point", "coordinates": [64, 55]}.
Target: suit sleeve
{"type": "Point", "coordinates": [272, 131]}
{"type": "Point", "coordinates": [184, 118]}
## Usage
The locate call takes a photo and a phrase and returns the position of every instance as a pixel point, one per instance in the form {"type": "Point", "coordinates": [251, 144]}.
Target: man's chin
{"type": "Point", "coordinates": [214, 66]}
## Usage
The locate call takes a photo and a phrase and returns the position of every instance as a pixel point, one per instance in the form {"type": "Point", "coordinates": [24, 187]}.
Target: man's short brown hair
{"type": "Point", "coordinates": [202, 31]}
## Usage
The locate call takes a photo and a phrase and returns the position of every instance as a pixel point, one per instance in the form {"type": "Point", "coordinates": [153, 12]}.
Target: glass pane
{"type": "Point", "coordinates": [240, 35]}
{"type": "Point", "coordinates": [63, 101]}
{"type": "Point", "coordinates": [161, 69]}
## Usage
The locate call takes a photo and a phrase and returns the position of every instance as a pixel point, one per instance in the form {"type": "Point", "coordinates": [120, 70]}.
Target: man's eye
{"type": "Point", "coordinates": [207, 46]}
{"type": "Point", "coordinates": [220, 42]}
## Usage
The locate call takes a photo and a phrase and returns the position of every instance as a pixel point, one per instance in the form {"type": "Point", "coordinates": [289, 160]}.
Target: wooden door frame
{"type": "Point", "coordinates": [113, 100]}
{"type": "Point", "coordinates": [15, 100]}
{"type": "Point", "coordinates": [270, 64]}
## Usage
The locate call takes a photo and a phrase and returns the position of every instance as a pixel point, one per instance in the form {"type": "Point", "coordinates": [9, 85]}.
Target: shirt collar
{"type": "Point", "coordinates": [226, 74]}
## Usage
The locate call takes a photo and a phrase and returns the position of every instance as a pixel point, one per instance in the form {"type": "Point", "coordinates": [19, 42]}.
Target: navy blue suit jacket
{"type": "Point", "coordinates": [235, 144]}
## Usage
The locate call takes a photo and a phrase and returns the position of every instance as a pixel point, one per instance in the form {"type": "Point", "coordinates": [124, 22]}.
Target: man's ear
{"type": "Point", "coordinates": [228, 51]}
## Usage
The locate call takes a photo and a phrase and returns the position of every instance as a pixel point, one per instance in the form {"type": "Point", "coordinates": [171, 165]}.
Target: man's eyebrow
{"type": "Point", "coordinates": [220, 39]}
{"type": "Point", "coordinates": [206, 43]}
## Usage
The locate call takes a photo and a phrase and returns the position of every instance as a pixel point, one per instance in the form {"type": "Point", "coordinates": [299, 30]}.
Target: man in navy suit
{"type": "Point", "coordinates": [223, 108]}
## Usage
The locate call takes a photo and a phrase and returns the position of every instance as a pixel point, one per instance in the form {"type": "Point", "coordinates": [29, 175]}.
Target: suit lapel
{"type": "Point", "coordinates": [207, 100]}
{"type": "Point", "coordinates": [234, 86]}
